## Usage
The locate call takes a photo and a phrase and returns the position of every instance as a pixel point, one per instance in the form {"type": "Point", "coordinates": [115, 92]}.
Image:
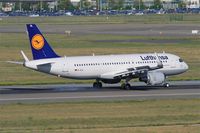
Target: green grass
{"type": "Point", "coordinates": [138, 116]}
{"type": "Point", "coordinates": [12, 43]}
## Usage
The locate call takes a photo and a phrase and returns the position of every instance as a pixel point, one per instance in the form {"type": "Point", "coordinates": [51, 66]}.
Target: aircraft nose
{"type": "Point", "coordinates": [186, 67]}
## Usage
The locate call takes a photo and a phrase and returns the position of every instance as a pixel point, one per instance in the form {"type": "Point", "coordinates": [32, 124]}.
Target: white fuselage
{"type": "Point", "coordinates": [104, 66]}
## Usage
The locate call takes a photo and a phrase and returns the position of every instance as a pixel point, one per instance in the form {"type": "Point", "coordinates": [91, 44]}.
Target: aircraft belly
{"type": "Point", "coordinates": [88, 73]}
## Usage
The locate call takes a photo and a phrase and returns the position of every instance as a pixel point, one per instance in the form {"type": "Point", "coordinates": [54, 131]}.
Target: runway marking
{"type": "Point", "coordinates": [108, 96]}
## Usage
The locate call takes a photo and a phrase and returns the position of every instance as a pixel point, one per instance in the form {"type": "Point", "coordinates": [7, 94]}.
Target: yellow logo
{"type": "Point", "coordinates": [37, 42]}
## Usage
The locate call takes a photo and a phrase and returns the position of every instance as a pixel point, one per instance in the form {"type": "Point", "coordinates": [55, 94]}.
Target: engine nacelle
{"type": "Point", "coordinates": [153, 78]}
{"type": "Point", "coordinates": [111, 81]}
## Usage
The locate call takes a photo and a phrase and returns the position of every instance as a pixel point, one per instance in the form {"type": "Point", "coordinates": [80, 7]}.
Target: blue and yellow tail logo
{"type": "Point", "coordinates": [37, 42]}
{"type": "Point", "coordinates": [39, 45]}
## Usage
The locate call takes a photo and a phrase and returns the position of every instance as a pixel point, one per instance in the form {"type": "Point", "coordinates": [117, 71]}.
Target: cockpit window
{"type": "Point", "coordinates": [180, 60]}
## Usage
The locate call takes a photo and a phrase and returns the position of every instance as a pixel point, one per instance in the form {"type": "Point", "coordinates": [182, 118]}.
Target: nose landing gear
{"type": "Point", "coordinates": [167, 85]}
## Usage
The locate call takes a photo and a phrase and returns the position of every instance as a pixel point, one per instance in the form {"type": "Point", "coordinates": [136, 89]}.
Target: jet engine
{"type": "Point", "coordinates": [153, 78]}
{"type": "Point", "coordinates": [111, 81]}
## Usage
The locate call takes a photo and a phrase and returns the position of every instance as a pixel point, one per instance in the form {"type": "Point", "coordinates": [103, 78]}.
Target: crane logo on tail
{"type": "Point", "coordinates": [37, 42]}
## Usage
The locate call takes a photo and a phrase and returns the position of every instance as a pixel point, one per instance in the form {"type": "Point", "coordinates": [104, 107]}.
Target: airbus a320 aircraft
{"type": "Point", "coordinates": [151, 68]}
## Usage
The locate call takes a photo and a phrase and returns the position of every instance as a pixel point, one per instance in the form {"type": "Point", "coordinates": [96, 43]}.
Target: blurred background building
{"type": "Point", "coordinates": [52, 5]}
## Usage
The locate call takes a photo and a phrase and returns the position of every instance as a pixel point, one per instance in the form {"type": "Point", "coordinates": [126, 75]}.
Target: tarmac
{"type": "Point", "coordinates": [85, 92]}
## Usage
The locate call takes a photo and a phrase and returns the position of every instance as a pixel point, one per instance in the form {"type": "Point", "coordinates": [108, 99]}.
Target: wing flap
{"type": "Point", "coordinates": [117, 74]}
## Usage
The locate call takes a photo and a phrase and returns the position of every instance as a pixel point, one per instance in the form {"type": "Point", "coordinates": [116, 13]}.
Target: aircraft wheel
{"type": "Point", "coordinates": [127, 86]}
{"type": "Point", "coordinates": [97, 85]}
{"type": "Point", "coordinates": [100, 85]}
{"type": "Point", "coordinates": [166, 85]}
{"type": "Point", "coordinates": [94, 84]}
{"type": "Point", "coordinates": [123, 86]}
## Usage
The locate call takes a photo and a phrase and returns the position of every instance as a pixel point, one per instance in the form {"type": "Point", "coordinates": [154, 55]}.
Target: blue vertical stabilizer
{"type": "Point", "coordinates": [40, 47]}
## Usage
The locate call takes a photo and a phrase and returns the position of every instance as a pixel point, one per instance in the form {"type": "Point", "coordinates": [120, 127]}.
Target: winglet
{"type": "Point", "coordinates": [160, 65]}
{"type": "Point", "coordinates": [24, 56]}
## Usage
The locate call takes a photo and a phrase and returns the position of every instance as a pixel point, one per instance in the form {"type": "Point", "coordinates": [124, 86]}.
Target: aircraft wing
{"type": "Point", "coordinates": [148, 68]}
{"type": "Point", "coordinates": [132, 72]}
{"type": "Point", "coordinates": [116, 74]}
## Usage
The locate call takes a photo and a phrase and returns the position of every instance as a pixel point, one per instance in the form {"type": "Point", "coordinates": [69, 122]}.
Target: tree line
{"type": "Point", "coordinates": [85, 4]}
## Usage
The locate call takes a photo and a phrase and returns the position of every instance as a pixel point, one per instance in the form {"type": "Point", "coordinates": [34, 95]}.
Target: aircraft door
{"type": "Point", "coordinates": [65, 68]}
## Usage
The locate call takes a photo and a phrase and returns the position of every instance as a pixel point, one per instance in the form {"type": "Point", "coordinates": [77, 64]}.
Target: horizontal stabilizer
{"type": "Point", "coordinates": [15, 62]}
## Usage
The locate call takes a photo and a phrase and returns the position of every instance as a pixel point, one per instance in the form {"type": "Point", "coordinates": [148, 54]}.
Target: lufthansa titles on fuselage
{"type": "Point", "coordinates": [151, 57]}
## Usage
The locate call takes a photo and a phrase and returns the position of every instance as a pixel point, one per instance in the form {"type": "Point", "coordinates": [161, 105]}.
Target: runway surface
{"type": "Point", "coordinates": [84, 92]}
{"type": "Point", "coordinates": [116, 29]}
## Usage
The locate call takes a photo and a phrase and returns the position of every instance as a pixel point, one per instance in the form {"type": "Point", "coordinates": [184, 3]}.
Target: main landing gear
{"type": "Point", "coordinates": [97, 84]}
{"type": "Point", "coordinates": [126, 85]}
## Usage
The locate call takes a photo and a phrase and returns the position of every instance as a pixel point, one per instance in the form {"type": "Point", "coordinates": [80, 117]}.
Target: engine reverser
{"type": "Point", "coordinates": [153, 78]}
